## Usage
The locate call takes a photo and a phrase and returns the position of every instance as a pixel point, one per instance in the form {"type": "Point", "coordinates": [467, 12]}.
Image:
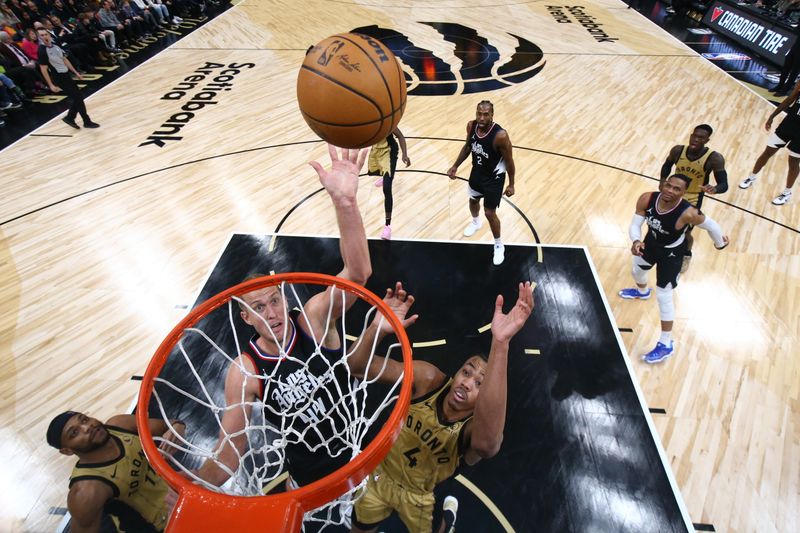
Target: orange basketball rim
{"type": "Point", "coordinates": [201, 510]}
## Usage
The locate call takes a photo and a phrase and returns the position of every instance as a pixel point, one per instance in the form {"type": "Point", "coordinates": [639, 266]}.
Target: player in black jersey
{"type": "Point", "coordinates": [786, 134]}
{"type": "Point", "coordinates": [281, 334]}
{"type": "Point", "coordinates": [668, 216]}
{"type": "Point", "coordinates": [490, 147]}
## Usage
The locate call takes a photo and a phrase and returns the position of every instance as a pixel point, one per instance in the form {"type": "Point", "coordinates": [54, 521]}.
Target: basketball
{"type": "Point", "coordinates": [351, 90]}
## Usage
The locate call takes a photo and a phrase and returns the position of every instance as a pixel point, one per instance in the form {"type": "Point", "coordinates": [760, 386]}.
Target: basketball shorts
{"type": "Point", "coordinates": [786, 134]}
{"type": "Point", "coordinates": [383, 158]}
{"type": "Point", "coordinates": [490, 189]}
{"type": "Point", "coordinates": [383, 495]}
{"type": "Point", "coordinates": [668, 262]}
{"type": "Point", "coordinates": [379, 162]}
{"type": "Point", "coordinates": [695, 197]}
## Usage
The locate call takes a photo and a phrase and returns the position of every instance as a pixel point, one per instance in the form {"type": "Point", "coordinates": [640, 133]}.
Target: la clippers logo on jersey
{"type": "Point", "coordinates": [295, 393]}
{"type": "Point", "coordinates": [477, 149]}
{"type": "Point", "coordinates": [429, 75]}
{"type": "Point", "coordinates": [654, 224]}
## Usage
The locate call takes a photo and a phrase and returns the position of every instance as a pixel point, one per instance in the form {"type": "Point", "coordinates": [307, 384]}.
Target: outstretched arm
{"type": "Point", "coordinates": [462, 155]}
{"type": "Point", "coordinates": [364, 363]}
{"type": "Point", "coordinates": [158, 428]}
{"type": "Point", "coordinates": [341, 183]}
{"type": "Point", "coordinates": [485, 430]}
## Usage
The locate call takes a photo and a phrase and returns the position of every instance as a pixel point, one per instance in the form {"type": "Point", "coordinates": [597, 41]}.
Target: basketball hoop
{"type": "Point", "coordinates": [205, 508]}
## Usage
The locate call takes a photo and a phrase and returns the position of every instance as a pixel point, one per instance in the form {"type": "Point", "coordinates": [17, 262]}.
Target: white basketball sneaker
{"type": "Point", "coordinates": [783, 198]}
{"type": "Point", "coordinates": [450, 509]}
{"type": "Point", "coordinates": [748, 182]}
{"type": "Point", "coordinates": [499, 254]}
{"type": "Point", "coordinates": [471, 228]}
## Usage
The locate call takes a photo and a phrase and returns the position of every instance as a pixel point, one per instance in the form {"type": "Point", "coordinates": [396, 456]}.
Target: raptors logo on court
{"type": "Point", "coordinates": [482, 67]}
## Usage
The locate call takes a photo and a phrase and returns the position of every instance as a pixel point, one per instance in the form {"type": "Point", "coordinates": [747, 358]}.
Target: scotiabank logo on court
{"type": "Point", "coordinates": [481, 69]}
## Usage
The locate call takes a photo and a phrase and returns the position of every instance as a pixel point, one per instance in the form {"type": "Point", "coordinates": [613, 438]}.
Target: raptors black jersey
{"type": "Point", "coordinates": [306, 386]}
{"type": "Point", "coordinates": [661, 226]}
{"type": "Point", "coordinates": [487, 163]}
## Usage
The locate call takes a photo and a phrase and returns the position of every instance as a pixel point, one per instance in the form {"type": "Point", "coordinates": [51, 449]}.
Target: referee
{"type": "Point", "coordinates": [52, 56]}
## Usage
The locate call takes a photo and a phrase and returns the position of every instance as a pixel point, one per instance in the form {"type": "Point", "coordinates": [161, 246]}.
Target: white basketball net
{"type": "Point", "coordinates": [340, 406]}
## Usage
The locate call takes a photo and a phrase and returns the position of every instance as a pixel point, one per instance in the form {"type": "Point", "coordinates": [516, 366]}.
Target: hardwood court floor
{"type": "Point", "coordinates": [103, 240]}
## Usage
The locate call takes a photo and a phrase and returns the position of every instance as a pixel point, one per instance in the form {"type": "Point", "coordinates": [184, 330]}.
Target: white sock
{"type": "Point", "coordinates": [753, 175]}
{"type": "Point", "coordinates": [476, 221]}
{"type": "Point", "coordinates": [642, 290]}
{"type": "Point", "coordinates": [497, 242]}
{"type": "Point", "coordinates": [666, 338]}
{"type": "Point", "coordinates": [787, 191]}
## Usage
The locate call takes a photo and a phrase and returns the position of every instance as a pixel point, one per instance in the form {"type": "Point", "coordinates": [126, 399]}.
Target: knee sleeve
{"type": "Point", "coordinates": [665, 305]}
{"type": "Point", "coordinates": [639, 273]}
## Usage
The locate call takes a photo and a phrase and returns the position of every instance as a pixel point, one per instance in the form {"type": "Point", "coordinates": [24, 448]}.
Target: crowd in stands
{"type": "Point", "coordinates": [92, 33]}
{"type": "Point", "coordinates": [786, 11]}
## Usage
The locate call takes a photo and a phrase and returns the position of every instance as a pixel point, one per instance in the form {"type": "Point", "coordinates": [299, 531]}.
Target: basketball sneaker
{"type": "Point", "coordinates": [635, 294]}
{"type": "Point", "coordinates": [450, 510]}
{"type": "Point", "coordinates": [659, 353]}
{"type": "Point", "coordinates": [471, 228]}
{"type": "Point", "coordinates": [783, 198]}
{"type": "Point", "coordinates": [386, 234]}
{"type": "Point", "coordinates": [499, 254]}
{"type": "Point", "coordinates": [747, 182]}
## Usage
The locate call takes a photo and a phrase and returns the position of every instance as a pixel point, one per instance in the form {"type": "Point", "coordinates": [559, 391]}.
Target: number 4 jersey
{"type": "Point", "coordinates": [428, 448]}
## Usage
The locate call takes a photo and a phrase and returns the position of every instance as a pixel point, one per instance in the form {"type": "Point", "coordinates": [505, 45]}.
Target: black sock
{"type": "Point", "coordinates": [388, 221]}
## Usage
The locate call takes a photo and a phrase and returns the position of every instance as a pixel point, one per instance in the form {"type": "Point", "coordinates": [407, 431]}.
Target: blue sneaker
{"type": "Point", "coordinates": [659, 353]}
{"type": "Point", "coordinates": [634, 294]}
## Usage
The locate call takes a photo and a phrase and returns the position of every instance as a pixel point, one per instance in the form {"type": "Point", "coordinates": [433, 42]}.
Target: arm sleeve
{"type": "Point", "coordinates": [635, 230]}
{"type": "Point", "coordinates": [713, 229]}
{"type": "Point", "coordinates": [722, 181]}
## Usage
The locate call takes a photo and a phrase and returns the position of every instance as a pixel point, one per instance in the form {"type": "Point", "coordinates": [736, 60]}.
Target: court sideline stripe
{"type": "Point", "coordinates": [487, 502]}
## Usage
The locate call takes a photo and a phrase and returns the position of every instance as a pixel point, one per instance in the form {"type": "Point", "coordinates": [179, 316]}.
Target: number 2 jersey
{"type": "Point", "coordinates": [487, 163]}
{"type": "Point", "coordinates": [428, 450]}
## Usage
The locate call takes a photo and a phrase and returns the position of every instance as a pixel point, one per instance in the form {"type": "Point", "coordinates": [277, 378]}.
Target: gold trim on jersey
{"type": "Point", "coordinates": [428, 449]}
{"type": "Point", "coordinates": [134, 481]}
